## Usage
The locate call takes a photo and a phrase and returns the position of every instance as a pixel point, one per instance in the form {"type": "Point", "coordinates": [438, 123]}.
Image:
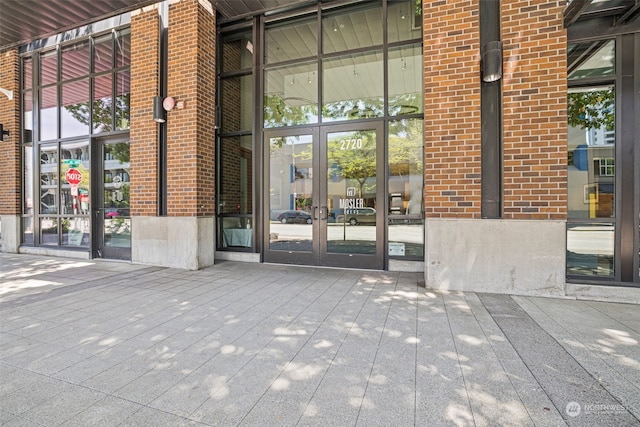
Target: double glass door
{"type": "Point", "coordinates": [325, 201]}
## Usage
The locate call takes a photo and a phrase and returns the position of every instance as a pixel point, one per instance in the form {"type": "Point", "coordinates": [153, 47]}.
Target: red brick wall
{"type": "Point", "coordinates": [10, 171]}
{"type": "Point", "coordinates": [191, 131]}
{"type": "Point", "coordinates": [452, 108]}
{"type": "Point", "coordinates": [534, 109]}
{"type": "Point", "coordinates": [144, 130]}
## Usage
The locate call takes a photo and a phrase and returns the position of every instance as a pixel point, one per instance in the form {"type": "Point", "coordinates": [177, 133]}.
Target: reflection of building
{"type": "Point", "coordinates": [472, 184]}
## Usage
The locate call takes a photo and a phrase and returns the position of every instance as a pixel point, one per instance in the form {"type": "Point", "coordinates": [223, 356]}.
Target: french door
{"type": "Point", "coordinates": [324, 199]}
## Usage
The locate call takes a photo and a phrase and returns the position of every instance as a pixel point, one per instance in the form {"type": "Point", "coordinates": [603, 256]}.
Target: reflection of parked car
{"type": "Point", "coordinates": [299, 217]}
{"type": "Point", "coordinates": [358, 216]}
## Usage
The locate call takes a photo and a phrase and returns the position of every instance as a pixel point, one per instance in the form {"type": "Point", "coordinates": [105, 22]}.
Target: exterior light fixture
{"type": "Point", "coordinates": [491, 61]}
{"type": "Point", "coordinates": [3, 132]}
{"type": "Point", "coordinates": [159, 114]}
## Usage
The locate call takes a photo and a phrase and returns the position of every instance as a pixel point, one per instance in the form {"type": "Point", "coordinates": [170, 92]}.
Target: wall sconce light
{"type": "Point", "coordinates": [492, 61]}
{"type": "Point", "coordinates": [3, 132]}
{"type": "Point", "coordinates": [159, 114]}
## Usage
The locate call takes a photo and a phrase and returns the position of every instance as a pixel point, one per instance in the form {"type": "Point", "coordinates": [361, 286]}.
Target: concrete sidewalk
{"type": "Point", "coordinates": [96, 343]}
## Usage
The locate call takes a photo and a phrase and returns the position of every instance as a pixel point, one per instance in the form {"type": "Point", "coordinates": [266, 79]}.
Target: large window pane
{"type": "Point", "coordinates": [123, 47]}
{"type": "Point", "coordinates": [75, 198]}
{"type": "Point", "coordinates": [237, 98]}
{"type": "Point", "coordinates": [291, 95]}
{"type": "Point", "coordinates": [590, 249]}
{"type": "Point", "coordinates": [353, 87]}
{"type": "Point", "coordinates": [49, 113]}
{"type": "Point", "coordinates": [290, 193]}
{"type": "Point", "coordinates": [404, 20]}
{"type": "Point", "coordinates": [27, 198]}
{"type": "Point", "coordinates": [591, 168]}
{"type": "Point", "coordinates": [405, 80]}
{"type": "Point", "coordinates": [236, 183]}
{"type": "Point", "coordinates": [48, 179]}
{"type": "Point", "coordinates": [49, 231]}
{"type": "Point", "coordinates": [27, 116]}
{"type": "Point", "coordinates": [103, 53]}
{"type": "Point", "coordinates": [291, 41]}
{"type": "Point", "coordinates": [75, 231]}
{"type": "Point", "coordinates": [75, 60]}
{"type": "Point", "coordinates": [591, 59]}
{"type": "Point", "coordinates": [102, 104]}
{"type": "Point", "coordinates": [237, 52]}
{"type": "Point", "coordinates": [74, 114]}
{"type": "Point", "coordinates": [27, 230]}
{"type": "Point", "coordinates": [361, 27]}
{"type": "Point", "coordinates": [406, 225]}
{"type": "Point", "coordinates": [123, 100]}
{"type": "Point", "coordinates": [49, 67]}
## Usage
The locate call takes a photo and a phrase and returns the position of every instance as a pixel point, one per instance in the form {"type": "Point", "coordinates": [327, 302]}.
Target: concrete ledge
{"type": "Point", "coordinates": [522, 257]}
{"type": "Point", "coordinates": [406, 266]}
{"type": "Point", "coordinates": [44, 251]}
{"type": "Point", "coordinates": [237, 256]}
{"type": "Point", "coordinates": [10, 241]}
{"type": "Point", "coordinates": [604, 293]}
{"type": "Point", "coordinates": [178, 242]}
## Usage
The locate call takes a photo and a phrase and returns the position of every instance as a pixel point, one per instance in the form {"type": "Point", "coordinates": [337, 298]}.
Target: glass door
{"type": "Point", "coordinates": [112, 225]}
{"type": "Point", "coordinates": [324, 200]}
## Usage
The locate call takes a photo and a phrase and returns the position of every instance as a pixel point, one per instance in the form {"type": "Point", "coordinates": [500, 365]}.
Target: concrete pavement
{"type": "Point", "coordinates": [98, 343]}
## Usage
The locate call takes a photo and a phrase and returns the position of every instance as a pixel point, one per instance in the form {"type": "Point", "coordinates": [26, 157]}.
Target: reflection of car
{"type": "Point", "coordinates": [300, 217]}
{"type": "Point", "coordinates": [358, 216]}
{"type": "Point", "coordinates": [115, 212]}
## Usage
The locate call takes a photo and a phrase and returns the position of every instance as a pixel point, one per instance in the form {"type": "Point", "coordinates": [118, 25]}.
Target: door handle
{"type": "Point", "coordinates": [315, 213]}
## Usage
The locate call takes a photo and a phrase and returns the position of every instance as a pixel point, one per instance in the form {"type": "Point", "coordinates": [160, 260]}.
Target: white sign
{"type": "Point", "coordinates": [351, 203]}
{"type": "Point", "coordinates": [396, 249]}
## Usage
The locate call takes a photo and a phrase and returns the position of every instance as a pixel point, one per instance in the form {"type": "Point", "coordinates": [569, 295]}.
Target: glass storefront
{"type": "Point", "coordinates": [82, 89]}
{"type": "Point", "coordinates": [331, 188]}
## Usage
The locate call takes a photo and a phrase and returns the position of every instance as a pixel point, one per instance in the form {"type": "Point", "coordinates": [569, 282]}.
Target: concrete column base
{"type": "Point", "coordinates": [522, 257]}
{"type": "Point", "coordinates": [10, 233]}
{"type": "Point", "coordinates": [178, 242]}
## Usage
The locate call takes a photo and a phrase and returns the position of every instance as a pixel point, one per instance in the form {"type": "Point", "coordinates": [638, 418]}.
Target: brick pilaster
{"type": "Point", "coordinates": [191, 130]}
{"type": "Point", "coordinates": [144, 130]}
{"type": "Point", "coordinates": [534, 109]}
{"type": "Point", "coordinates": [10, 171]}
{"type": "Point", "coordinates": [452, 108]}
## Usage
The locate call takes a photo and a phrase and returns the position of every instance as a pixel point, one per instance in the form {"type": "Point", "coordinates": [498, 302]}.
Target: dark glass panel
{"type": "Point", "coordinates": [236, 183]}
{"type": "Point", "coordinates": [590, 249]}
{"type": "Point", "coordinates": [123, 47]}
{"type": "Point", "coordinates": [237, 52]}
{"type": "Point", "coordinates": [237, 99]}
{"type": "Point", "coordinates": [123, 100]}
{"type": "Point", "coordinates": [591, 59]}
{"type": "Point", "coordinates": [49, 113]}
{"type": "Point", "coordinates": [27, 176]}
{"type": "Point", "coordinates": [103, 53]}
{"type": "Point", "coordinates": [27, 73]}
{"type": "Point", "coordinates": [103, 104]}
{"type": "Point", "coordinates": [48, 67]}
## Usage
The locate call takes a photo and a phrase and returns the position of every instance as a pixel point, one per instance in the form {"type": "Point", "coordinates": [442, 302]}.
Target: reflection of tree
{"type": "Point", "coordinates": [591, 109]}
{"type": "Point", "coordinates": [405, 147]}
{"type": "Point", "coordinates": [405, 104]}
{"type": "Point", "coordinates": [278, 113]}
{"type": "Point", "coordinates": [354, 108]}
{"type": "Point", "coordinates": [102, 117]}
{"type": "Point", "coordinates": [121, 152]}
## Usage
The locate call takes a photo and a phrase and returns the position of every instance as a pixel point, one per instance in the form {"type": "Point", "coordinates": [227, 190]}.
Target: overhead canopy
{"type": "Point", "coordinates": [23, 21]}
{"type": "Point", "coordinates": [620, 12]}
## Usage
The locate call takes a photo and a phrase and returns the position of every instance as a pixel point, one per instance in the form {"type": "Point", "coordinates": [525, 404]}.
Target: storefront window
{"type": "Point", "coordinates": [358, 28]}
{"type": "Point", "coordinates": [239, 91]}
{"type": "Point", "coordinates": [353, 87]}
{"type": "Point", "coordinates": [406, 224]}
{"type": "Point", "coordinates": [404, 20]}
{"type": "Point", "coordinates": [591, 171]}
{"type": "Point", "coordinates": [291, 95]}
{"type": "Point", "coordinates": [61, 166]}
{"type": "Point", "coordinates": [405, 80]}
{"type": "Point", "coordinates": [281, 47]}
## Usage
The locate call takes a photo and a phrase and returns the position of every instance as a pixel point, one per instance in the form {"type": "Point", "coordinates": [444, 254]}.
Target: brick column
{"type": "Point", "coordinates": [534, 109]}
{"type": "Point", "coordinates": [144, 131]}
{"type": "Point", "coordinates": [452, 109]}
{"type": "Point", "coordinates": [191, 130]}
{"type": "Point", "coordinates": [10, 170]}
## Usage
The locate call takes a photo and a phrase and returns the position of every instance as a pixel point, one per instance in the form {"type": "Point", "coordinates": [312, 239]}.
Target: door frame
{"type": "Point", "coordinates": [319, 256]}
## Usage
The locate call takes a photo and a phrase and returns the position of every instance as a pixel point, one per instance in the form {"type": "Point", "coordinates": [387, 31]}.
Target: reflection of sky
{"type": "Point", "coordinates": [48, 127]}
